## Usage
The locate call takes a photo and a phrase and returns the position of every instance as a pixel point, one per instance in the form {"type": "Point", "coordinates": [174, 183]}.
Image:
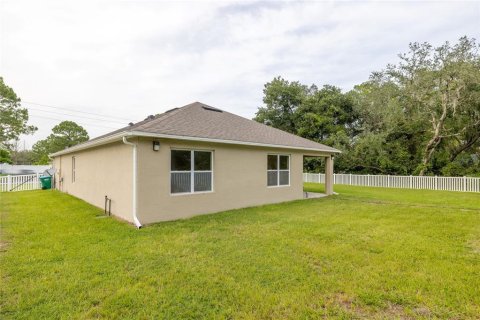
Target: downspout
{"type": "Point", "coordinates": [134, 191]}
{"type": "Point", "coordinates": [54, 173]}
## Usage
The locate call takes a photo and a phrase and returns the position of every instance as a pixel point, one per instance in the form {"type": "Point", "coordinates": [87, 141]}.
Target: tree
{"type": "Point", "coordinates": [41, 149]}
{"type": "Point", "coordinates": [5, 156]}
{"type": "Point", "coordinates": [420, 116]}
{"type": "Point", "coordinates": [281, 99]}
{"type": "Point", "coordinates": [316, 114]}
{"type": "Point", "coordinates": [439, 83]}
{"type": "Point", "coordinates": [22, 157]}
{"type": "Point", "coordinates": [389, 137]}
{"type": "Point", "coordinates": [468, 138]}
{"type": "Point", "coordinates": [64, 135]}
{"type": "Point", "coordinates": [18, 154]}
{"type": "Point", "coordinates": [325, 115]}
{"type": "Point", "coordinates": [13, 118]}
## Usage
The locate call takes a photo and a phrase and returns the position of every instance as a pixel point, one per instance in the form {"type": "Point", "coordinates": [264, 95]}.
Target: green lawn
{"type": "Point", "coordinates": [366, 253]}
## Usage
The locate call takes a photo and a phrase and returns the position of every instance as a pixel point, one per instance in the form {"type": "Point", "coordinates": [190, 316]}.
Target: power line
{"type": "Point", "coordinates": [83, 124]}
{"type": "Point", "coordinates": [75, 116]}
{"type": "Point", "coordinates": [73, 110]}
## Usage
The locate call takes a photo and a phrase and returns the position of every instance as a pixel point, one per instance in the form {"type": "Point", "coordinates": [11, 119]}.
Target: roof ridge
{"type": "Point", "coordinates": [171, 112]}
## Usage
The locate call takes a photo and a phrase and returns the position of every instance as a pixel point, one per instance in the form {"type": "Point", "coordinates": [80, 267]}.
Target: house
{"type": "Point", "coordinates": [188, 161]}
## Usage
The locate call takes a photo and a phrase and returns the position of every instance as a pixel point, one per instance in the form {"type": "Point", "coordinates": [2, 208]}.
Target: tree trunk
{"type": "Point", "coordinates": [428, 153]}
{"type": "Point", "coordinates": [436, 139]}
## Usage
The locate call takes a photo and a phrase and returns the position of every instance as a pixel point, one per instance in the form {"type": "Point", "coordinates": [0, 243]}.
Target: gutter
{"type": "Point", "coordinates": [225, 141]}
{"type": "Point", "coordinates": [134, 182]}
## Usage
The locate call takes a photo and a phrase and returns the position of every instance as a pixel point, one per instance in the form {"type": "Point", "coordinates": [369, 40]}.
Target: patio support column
{"type": "Point", "coordinates": [329, 175]}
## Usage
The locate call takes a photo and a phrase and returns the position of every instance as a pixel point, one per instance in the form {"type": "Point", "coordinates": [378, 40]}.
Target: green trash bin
{"type": "Point", "coordinates": [46, 182]}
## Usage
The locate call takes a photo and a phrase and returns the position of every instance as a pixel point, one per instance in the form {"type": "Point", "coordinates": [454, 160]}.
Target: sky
{"type": "Point", "coordinates": [120, 61]}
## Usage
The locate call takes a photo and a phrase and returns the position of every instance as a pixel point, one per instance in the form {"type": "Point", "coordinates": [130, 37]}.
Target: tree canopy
{"type": "Point", "coordinates": [66, 134]}
{"type": "Point", "coordinates": [13, 118]}
{"type": "Point", "coordinates": [5, 156]}
{"type": "Point", "coordinates": [419, 116]}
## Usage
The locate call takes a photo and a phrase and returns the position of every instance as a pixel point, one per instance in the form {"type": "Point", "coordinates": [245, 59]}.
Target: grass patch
{"type": "Point", "coordinates": [366, 253]}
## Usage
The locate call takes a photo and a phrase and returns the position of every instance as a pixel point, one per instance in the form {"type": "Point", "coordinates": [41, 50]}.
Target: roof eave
{"type": "Point", "coordinates": [236, 142]}
{"type": "Point", "coordinates": [120, 135]}
{"type": "Point", "coordinates": [91, 144]}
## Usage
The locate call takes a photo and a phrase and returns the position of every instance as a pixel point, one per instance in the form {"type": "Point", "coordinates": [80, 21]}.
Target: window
{"type": "Point", "coordinates": [73, 169]}
{"type": "Point", "coordinates": [278, 170]}
{"type": "Point", "coordinates": [191, 171]}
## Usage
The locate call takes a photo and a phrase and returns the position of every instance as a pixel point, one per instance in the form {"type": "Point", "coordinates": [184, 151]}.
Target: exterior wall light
{"type": "Point", "coordinates": [156, 145]}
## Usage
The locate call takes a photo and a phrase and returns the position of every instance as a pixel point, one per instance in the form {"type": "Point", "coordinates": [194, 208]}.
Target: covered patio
{"type": "Point", "coordinates": [328, 160]}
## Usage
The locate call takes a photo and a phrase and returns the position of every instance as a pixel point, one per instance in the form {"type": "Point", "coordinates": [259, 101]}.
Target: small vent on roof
{"type": "Point", "coordinates": [150, 117]}
{"type": "Point", "coordinates": [171, 110]}
{"type": "Point", "coordinates": [211, 109]}
{"type": "Point", "coordinates": [130, 124]}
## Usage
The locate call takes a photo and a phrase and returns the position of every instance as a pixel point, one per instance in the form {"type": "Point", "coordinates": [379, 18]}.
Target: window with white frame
{"type": "Point", "coordinates": [278, 170]}
{"type": "Point", "coordinates": [191, 171]}
{"type": "Point", "coordinates": [73, 169]}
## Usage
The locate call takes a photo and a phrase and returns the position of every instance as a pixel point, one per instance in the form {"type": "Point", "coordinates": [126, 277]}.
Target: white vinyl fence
{"type": "Point", "coordinates": [20, 183]}
{"type": "Point", "coordinates": [466, 184]}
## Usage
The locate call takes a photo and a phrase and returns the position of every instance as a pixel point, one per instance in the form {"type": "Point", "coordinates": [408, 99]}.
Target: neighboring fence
{"type": "Point", "coordinates": [466, 184]}
{"type": "Point", "coordinates": [6, 168]}
{"type": "Point", "coordinates": [20, 183]}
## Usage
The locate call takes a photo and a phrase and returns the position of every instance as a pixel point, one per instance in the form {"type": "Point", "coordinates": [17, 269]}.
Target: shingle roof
{"type": "Point", "coordinates": [198, 120]}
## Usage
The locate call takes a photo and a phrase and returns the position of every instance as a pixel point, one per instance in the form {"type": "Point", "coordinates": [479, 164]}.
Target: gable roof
{"type": "Point", "coordinates": [200, 122]}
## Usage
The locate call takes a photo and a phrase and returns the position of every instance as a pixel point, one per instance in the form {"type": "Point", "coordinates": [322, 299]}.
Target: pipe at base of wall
{"type": "Point", "coordinates": [134, 187]}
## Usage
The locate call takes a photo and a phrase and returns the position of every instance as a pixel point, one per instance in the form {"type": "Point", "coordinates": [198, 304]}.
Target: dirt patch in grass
{"type": "Point", "coordinates": [391, 311]}
{"type": "Point", "coordinates": [474, 245]}
{"type": "Point", "coordinates": [345, 301]}
{"type": "Point", "coordinates": [3, 246]}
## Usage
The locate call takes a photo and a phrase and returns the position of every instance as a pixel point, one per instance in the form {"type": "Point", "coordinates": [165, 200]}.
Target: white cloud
{"type": "Point", "coordinates": [130, 59]}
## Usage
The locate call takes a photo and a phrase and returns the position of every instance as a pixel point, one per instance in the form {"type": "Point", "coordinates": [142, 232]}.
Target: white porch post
{"type": "Point", "coordinates": [329, 175]}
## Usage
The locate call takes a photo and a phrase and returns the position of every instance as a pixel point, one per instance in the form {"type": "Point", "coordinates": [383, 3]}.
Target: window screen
{"type": "Point", "coordinates": [191, 171]}
{"type": "Point", "coordinates": [278, 170]}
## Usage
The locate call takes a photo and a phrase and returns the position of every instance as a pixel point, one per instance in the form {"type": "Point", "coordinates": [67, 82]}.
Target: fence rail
{"type": "Point", "coordinates": [465, 184]}
{"type": "Point", "coordinates": [20, 183]}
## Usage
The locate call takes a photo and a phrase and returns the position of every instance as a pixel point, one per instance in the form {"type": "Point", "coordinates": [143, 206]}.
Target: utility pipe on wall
{"type": "Point", "coordinates": [134, 187]}
{"type": "Point", "coordinates": [54, 177]}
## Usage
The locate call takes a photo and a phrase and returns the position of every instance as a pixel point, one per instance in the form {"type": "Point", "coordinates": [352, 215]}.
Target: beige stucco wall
{"type": "Point", "coordinates": [240, 180]}
{"type": "Point", "coordinates": [105, 170]}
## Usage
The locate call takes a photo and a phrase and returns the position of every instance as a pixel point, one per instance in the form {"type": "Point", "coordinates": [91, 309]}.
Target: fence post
{"type": "Point", "coordinates": [388, 180]}
{"type": "Point", "coordinates": [9, 183]}
{"type": "Point", "coordinates": [436, 182]}
{"type": "Point", "coordinates": [350, 179]}
{"type": "Point", "coordinates": [411, 181]}
{"type": "Point", "coordinates": [368, 179]}
{"type": "Point", "coordinates": [464, 184]}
